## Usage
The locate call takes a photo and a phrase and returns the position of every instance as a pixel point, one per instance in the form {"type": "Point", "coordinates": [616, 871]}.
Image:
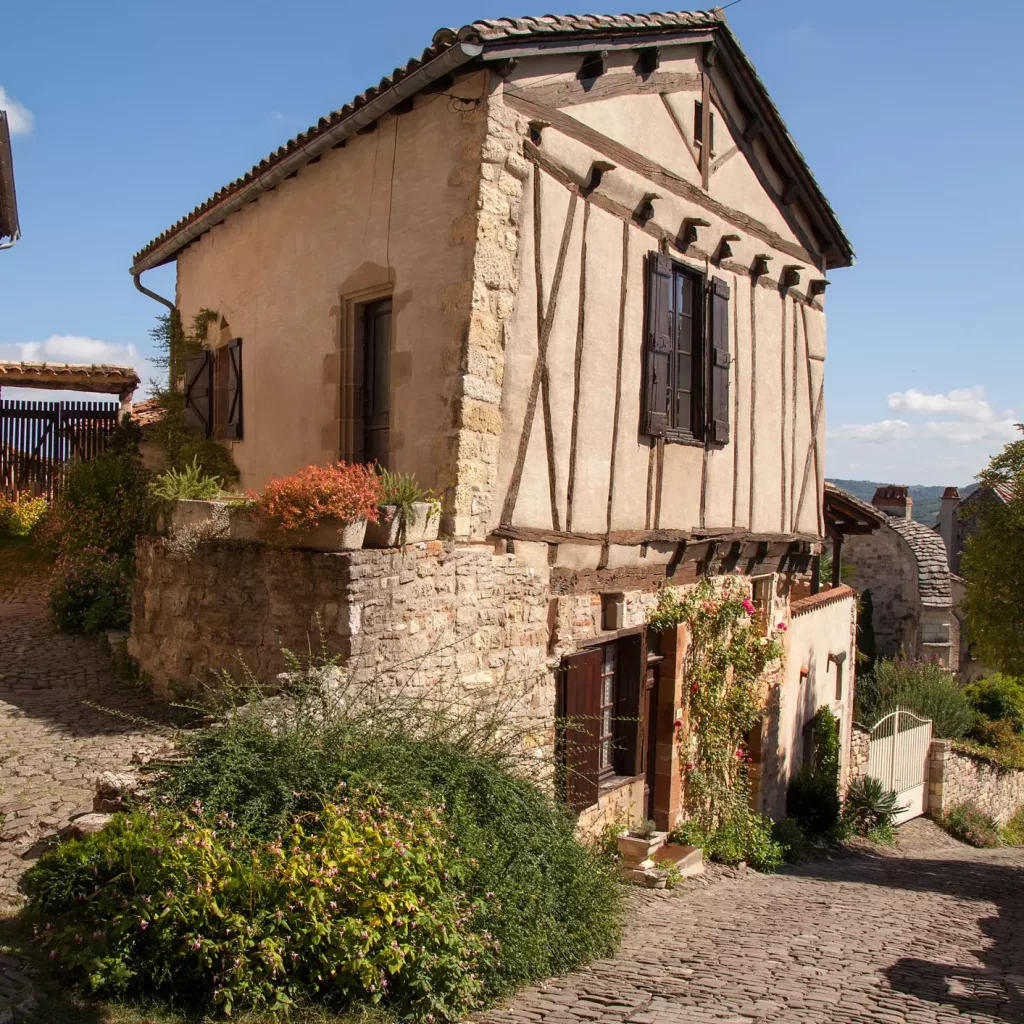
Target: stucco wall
{"type": "Point", "coordinates": [819, 626]}
{"type": "Point", "coordinates": [392, 212]}
{"type": "Point", "coordinates": [756, 481]}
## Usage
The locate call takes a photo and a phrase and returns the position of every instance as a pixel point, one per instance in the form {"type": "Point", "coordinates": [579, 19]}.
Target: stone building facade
{"type": "Point", "coordinates": [586, 305]}
{"type": "Point", "coordinates": [904, 566]}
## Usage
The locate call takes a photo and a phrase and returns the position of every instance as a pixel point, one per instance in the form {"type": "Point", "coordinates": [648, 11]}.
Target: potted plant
{"type": "Point", "coordinates": [638, 845]}
{"type": "Point", "coordinates": [408, 513]}
{"type": "Point", "coordinates": [322, 508]}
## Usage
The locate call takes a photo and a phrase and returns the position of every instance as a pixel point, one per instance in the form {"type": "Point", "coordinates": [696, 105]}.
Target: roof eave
{"type": "Point", "coordinates": [443, 64]}
{"type": "Point", "coordinates": [9, 226]}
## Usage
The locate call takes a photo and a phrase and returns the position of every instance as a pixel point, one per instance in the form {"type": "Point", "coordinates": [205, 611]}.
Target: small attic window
{"type": "Point", "coordinates": [594, 65]}
{"type": "Point", "coordinates": [698, 129]}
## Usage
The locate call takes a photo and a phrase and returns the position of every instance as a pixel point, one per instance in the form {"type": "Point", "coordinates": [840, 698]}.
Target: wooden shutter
{"type": "Point", "coordinates": [628, 743]}
{"type": "Point", "coordinates": [199, 392]}
{"type": "Point", "coordinates": [657, 345]}
{"type": "Point", "coordinates": [718, 321]}
{"type": "Point", "coordinates": [582, 712]}
{"type": "Point", "coordinates": [233, 391]}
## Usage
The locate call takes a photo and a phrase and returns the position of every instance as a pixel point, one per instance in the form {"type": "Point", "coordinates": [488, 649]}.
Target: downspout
{"type": "Point", "coordinates": [153, 295]}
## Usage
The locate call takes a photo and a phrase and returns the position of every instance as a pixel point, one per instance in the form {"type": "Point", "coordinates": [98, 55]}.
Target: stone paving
{"type": "Point", "coordinates": [931, 934]}
{"type": "Point", "coordinates": [54, 737]}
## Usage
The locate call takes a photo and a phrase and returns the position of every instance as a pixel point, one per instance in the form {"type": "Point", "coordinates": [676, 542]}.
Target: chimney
{"type": "Point", "coordinates": [947, 524]}
{"type": "Point", "coordinates": [894, 500]}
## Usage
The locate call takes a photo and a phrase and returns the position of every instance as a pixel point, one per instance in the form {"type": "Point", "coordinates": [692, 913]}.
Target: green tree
{"type": "Point", "coordinates": [993, 565]}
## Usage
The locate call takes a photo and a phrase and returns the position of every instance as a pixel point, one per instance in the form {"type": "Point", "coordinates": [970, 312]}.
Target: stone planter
{"type": "Point", "coordinates": [387, 532]}
{"type": "Point", "coordinates": [637, 852]}
{"type": "Point", "coordinates": [209, 520]}
{"type": "Point", "coordinates": [328, 535]}
{"type": "Point", "coordinates": [686, 860]}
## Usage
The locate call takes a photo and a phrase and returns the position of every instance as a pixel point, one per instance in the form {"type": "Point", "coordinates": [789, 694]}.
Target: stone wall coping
{"type": "Point", "coordinates": [821, 600]}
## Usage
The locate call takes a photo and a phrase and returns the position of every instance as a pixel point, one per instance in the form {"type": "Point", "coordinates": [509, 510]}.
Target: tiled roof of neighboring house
{"type": "Point", "coordinates": [101, 378]}
{"type": "Point", "coordinates": [450, 49]}
{"type": "Point", "coordinates": [9, 227]}
{"type": "Point", "coordinates": [1005, 491]}
{"type": "Point", "coordinates": [932, 564]}
{"type": "Point", "coordinates": [146, 412]}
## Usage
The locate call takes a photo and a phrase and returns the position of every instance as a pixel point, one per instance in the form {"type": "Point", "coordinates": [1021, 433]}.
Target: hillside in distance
{"type": "Point", "coordinates": [926, 499]}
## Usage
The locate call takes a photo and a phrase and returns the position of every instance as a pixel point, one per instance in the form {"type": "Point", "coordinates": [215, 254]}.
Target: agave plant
{"type": "Point", "coordinates": [870, 806]}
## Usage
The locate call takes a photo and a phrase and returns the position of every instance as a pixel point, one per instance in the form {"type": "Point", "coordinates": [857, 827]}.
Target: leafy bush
{"type": "Point", "coordinates": [91, 591]}
{"type": "Point", "coordinates": [869, 806]}
{"type": "Point", "coordinates": [971, 825]}
{"type": "Point", "coordinates": [1012, 832]}
{"type": "Point", "coordinates": [790, 836]}
{"type": "Point", "coordinates": [19, 515]}
{"type": "Point", "coordinates": [213, 459]}
{"type": "Point", "coordinates": [357, 903]}
{"type": "Point", "coordinates": [747, 839]}
{"type": "Point", "coordinates": [998, 697]}
{"type": "Point", "coordinates": [812, 797]}
{"type": "Point", "coordinates": [923, 687]}
{"type": "Point", "coordinates": [995, 743]}
{"type": "Point", "coordinates": [343, 491]}
{"type": "Point", "coordinates": [550, 902]}
{"type": "Point", "coordinates": [190, 483]}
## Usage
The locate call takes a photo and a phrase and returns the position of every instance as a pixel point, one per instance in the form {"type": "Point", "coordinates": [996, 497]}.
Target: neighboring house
{"type": "Point", "coordinates": [958, 518]}
{"type": "Point", "coordinates": [10, 230]}
{"type": "Point", "coordinates": [569, 271]}
{"type": "Point", "coordinates": [904, 566]}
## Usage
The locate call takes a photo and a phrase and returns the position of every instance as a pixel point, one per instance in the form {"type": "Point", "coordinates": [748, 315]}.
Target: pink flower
{"type": "Point", "coordinates": [143, 925]}
{"type": "Point", "coordinates": [748, 606]}
{"type": "Point", "coordinates": [678, 723]}
{"type": "Point", "coordinates": [693, 687]}
{"type": "Point", "coordinates": [781, 627]}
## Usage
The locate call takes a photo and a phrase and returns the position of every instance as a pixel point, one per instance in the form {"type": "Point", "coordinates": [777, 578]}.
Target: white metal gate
{"type": "Point", "coordinates": [898, 757]}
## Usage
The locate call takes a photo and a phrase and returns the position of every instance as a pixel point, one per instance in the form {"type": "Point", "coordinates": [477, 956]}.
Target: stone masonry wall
{"type": "Point", "coordinates": [415, 618]}
{"type": "Point", "coordinates": [955, 777]}
{"type": "Point", "coordinates": [860, 747]}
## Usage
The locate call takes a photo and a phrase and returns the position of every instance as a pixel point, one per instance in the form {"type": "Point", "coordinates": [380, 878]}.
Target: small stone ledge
{"type": "Point", "coordinates": [820, 600]}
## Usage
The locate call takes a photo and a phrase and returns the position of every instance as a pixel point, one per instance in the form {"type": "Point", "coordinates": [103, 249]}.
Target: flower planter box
{"type": "Point", "coordinates": [213, 519]}
{"type": "Point", "coordinates": [328, 535]}
{"type": "Point", "coordinates": [387, 532]}
{"type": "Point", "coordinates": [637, 852]}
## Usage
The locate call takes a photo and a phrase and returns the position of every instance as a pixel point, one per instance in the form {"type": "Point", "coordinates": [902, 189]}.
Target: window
{"type": "Point", "coordinates": [698, 130]}
{"type": "Point", "coordinates": [374, 346]}
{"type": "Point", "coordinates": [686, 354]}
{"type": "Point", "coordinates": [602, 709]}
{"type": "Point", "coordinates": [213, 391]}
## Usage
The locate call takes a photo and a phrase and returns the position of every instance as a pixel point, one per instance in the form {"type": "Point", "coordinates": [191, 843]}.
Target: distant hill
{"type": "Point", "coordinates": [926, 499]}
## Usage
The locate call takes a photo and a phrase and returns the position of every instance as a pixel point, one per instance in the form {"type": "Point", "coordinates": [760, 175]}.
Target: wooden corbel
{"type": "Point", "coordinates": [645, 209]}
{"type": "Point", "coordinates": [688, 232]}
{"type": "Point", "coordinates": [760, 265]}
{"type": "Point", "coordinates": [597, 170]}
{"type": "Point", "coordinates": [504, 68]}
{"type": "Point", "coordinates": [711, 53]}
{"type": "Point", "coordinates": [594, 65]}
{"type": "Point", "coordinates": [818, 286]}
{"type": "Point", "coordinates": [724, 250]}
{"type": "Point", "coordinates": [791, 275]}
{"type": "Point", "coordinates": [754, 128]}
{"type": "Point", "coordinates": [648, 60]}
{"type": "Point", "coordinates": [537, 126]}
{"type": "Point", "coordinates": [790, 190]}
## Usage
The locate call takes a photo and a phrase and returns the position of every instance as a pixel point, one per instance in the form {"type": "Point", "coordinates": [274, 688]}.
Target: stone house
{"type": "Point", "coordinates": [958, 517]}
{"type": "Point", "coordinates": [904, 566]}
{"type": "Point", "coordinates": [569, 271]}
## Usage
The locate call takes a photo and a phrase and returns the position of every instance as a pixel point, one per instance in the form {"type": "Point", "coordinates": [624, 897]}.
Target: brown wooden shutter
{"type": "Point", "coordinates": [582, 712]}
{"type": "Point", "coordinates": [233, 392]}
{"type": "Point", "coordinates": [718, 319]}
{"type": "Point", "coordinates": [657, 345]}
{"type": "Point", "coordinates": [628, 744]}
{"type": "Point", "coordinates": [199, 392]}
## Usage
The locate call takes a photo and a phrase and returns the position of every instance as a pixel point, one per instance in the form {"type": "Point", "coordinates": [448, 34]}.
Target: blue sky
{"type": "Point", "coordinates": [128, 115]}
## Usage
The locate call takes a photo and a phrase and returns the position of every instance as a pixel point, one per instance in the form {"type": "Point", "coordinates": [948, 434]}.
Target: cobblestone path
{"type": "Point", "coordinates": [52, 743]}
{"type": "Point", "coordinates": [929, 935]}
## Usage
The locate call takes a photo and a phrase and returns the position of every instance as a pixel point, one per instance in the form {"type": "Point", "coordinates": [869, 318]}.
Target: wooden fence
{"type": "Point", "coordinates": [37, 438]}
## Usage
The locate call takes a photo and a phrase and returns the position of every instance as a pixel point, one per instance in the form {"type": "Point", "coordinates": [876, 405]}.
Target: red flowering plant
{"type": "Point", "coordinates": [726, 658]}
{"type": "Point", "coordinates": [344, 491]}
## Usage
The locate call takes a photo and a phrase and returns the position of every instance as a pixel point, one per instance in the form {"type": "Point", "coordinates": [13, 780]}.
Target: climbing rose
{"type": "Point", "coordinates": [748, 606]}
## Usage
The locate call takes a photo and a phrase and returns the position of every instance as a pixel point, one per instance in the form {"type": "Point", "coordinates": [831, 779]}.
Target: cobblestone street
{"type": "Point", "coordinates": [53, 744]}
{"type": "Point", "coordinates": [933, 933]}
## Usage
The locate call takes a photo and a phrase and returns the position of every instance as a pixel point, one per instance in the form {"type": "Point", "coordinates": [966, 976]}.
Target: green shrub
{"type": "Point", "coordinates": [190, 483]}
{"type": "Point", "coordinates": [870, 807]}
{"type": "Point", "coordinates": [1000, 746]}
{"type": "Point", "coordinates": [923, 687]}
{"type": "Point", "coordinates": [812, 796]}
{"type": "Point", "coordinates": [20, 515]}
{"type": "Point", "coordinates": [551, 902]}
{"type": "Point", "coordinates": [357, 903]}
{"type": "Point", "coordinates": [213, 459]}
{"type": "Point", "coordinates": [998, 697]}
{"type": "Point", "coordinates": [748, 839]}
{"type": "Point", "coordinates": [1012, 833]}
{"type": "Point", "coordinates": [971, 825]}
{"type": "Point", "coordinates": [793, 842]}
{"type": "Point", "coordinates": [91, 591]}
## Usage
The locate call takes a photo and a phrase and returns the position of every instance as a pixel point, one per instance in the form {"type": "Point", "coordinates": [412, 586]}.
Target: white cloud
{"type": "Point", "coordinates": [19, 117]}
{"type": "Point", "coordinates": [874, 433]}
{"type": "Point", "coordinates": [962, 403]}
{"type": "Point", "coordinates": [70, 348]}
